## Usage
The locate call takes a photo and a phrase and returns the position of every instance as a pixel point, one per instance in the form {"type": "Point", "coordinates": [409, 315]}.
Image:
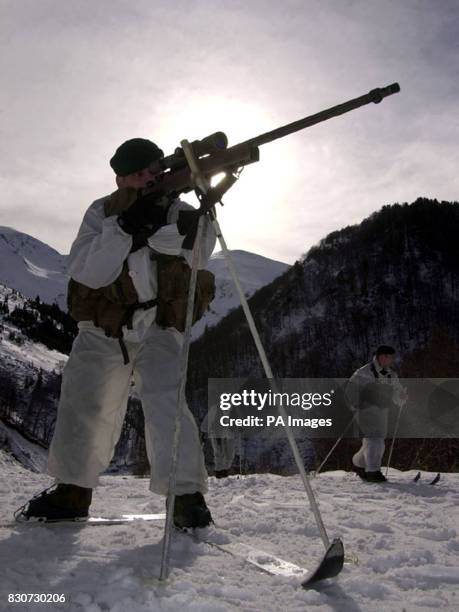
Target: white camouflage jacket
{"type": "Point", "coordinates": [365, 375]}
{"type": "Point", "coordinates": [101, 246]}
{"type": "Point", "coordinates": [372, 418]}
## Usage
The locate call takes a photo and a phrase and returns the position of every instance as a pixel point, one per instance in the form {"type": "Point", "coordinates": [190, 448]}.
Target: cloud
{"type": "Point", "coordinates": [80, 77]}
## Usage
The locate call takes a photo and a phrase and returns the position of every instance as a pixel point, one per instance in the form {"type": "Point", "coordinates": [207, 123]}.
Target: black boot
{"type": "Point", "coordinates": [190, 510]}
{"type": "Point", "coordinates": [359, 471]}
{"type": "Point", "coordinates": [66, 502]}
{"type": "Point", "coordinates": [377, 476]}
{"type": "Point", "coordinates": [221, 473]}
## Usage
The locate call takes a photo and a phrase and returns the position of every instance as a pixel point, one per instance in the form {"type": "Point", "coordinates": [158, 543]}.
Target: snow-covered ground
{"type": "Point", "coordinates": [405, 536]}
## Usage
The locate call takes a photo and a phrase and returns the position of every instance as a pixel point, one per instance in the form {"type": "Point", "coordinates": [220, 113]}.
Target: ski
{"type": "Point", "coordinates": [264, 561]}
{"type": "Point", "coordinates": [432, 482]}
{"type": "Point", "coordinates": [125, 518]}
{"type": "Point", "coordinates": [92, 521]}
{"type": "Point", "coordinates": [329, 566]}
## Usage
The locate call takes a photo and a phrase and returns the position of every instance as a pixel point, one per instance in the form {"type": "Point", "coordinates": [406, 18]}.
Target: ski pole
{"type": "Point", "coordinates": [181, 391]}
{"type": "Point", "coordinates": [317, 472]}
{"type": "Point", "coordinates": [393, 439]}
{"type": "Point", "coordinates": [240, 454]}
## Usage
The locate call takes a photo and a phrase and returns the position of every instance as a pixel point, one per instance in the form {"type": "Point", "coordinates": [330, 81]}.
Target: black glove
{"type": "Point", "coordinates": [187, 225]}
{"type": "Point", "coordinates": [140, 239]}
{"type": "Point", "coordinates": [187, 222]}
{"type": "Point", "coordinates": [145, 211]}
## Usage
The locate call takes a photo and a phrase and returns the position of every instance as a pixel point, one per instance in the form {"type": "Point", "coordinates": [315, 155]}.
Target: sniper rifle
{"type": "Point", "coordinates": [173, 174]}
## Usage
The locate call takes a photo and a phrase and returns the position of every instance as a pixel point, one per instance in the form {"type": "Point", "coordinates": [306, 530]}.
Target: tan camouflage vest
{"type": "Point", "coordinates": [112, 306]}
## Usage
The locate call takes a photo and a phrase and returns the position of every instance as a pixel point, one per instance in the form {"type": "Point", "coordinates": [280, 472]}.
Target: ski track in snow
{"type": "Point", "coordinates": [404, 534]}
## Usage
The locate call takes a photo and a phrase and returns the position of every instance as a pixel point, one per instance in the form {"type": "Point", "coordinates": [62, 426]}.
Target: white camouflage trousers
{"type": "Point", "coordinates": [370, 454]}
{"type": "Point", "coordinates": [224, 451]}
{"type": "Point", "coordinates": [93, 402]}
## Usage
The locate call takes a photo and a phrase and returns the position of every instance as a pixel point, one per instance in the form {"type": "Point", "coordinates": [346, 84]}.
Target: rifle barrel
{"type": "Point", "coordinates": [375, 95]}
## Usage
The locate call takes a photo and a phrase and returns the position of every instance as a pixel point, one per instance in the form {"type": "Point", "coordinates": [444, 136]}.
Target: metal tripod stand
{"type": "Point", "coordinates": [332, 561]}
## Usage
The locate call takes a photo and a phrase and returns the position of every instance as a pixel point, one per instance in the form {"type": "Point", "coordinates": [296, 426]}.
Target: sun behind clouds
{"type": "Point", "coordinates": [255, 205]}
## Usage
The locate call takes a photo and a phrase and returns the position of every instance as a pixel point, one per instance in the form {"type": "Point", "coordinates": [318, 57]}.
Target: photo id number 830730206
{"type": "Point", "coordinates": [36, 598]}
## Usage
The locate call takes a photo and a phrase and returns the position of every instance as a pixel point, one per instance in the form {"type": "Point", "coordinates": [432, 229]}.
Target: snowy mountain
{"type": "Point", "coordinates": [32, 267]}
{"type": "Point", "coordinates": [35, 339]}
{"type": "Point", "coordinates": [359, 287]}
{"type": "Point", "coordinates": [31, 362]}
{"type": "Point", "coordinates": [392, 279]}
{"type": "Point", "coordinates": [28, 453]}
{"type": "Point", "coordinates": [254, 271]}
{"type": "Point", "coordinates": [16, 349]}
{"type": "Point", "coordinates": [29, 376]}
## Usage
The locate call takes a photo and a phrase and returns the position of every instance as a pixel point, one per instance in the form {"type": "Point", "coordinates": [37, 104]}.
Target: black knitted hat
{"type": "Point", "coordinates": [134, 155]}
{"type": "Point", "coordinates": [385, 349]}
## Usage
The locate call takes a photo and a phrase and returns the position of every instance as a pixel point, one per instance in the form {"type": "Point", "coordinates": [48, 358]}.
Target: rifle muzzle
{"type": "Point", "coordinates": [378, 94]}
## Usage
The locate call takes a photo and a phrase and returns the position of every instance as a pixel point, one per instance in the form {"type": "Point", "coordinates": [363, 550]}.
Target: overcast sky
{"type": "Point", "coordinates": [78, 77]}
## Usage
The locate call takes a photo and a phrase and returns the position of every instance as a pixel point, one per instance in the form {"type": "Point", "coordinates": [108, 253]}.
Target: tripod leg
{"type": "Point", "coordinates": [180, 402]}
{"type": "Point", "coordinates": [269, 375]}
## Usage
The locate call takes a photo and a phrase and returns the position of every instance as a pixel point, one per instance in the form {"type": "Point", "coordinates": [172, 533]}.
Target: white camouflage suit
{"type": "Point", "coordinates": [371, 418]}
{"type": "Point", "coordinates": [222, 439]}
{"type": "Point", "coordinates": [95, 384]}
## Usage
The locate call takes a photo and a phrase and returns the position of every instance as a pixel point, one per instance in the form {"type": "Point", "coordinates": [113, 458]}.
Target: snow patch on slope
{"type": "Point", "coordinates": [32, 267]}
{"type": "Point", "coordinates": [25, 353]}
{"type": "Point", "coordinates": [254, 271]}
{"type": "Point", "coordinates": [29, 455]}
